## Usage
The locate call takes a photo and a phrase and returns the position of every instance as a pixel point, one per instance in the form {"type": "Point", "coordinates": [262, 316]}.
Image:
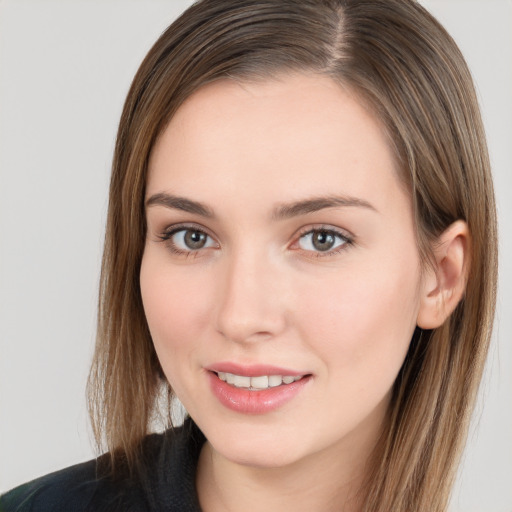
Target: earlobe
{"type": "Point", "coordinates": [443, 286]}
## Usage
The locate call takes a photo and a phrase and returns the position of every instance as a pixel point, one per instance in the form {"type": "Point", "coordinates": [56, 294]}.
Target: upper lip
{"type": "Point", "coordinates": [252, 370]}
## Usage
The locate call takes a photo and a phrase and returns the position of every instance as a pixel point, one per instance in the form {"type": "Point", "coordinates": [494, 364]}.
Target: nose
{"type": "Point", "coordinates": [252, 299]}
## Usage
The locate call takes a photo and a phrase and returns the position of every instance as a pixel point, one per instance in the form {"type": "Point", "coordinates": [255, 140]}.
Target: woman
{"type": "Point", "coordinates": [301, 245]}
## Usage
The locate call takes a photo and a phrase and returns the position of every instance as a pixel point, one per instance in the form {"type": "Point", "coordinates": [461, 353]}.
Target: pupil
{"type": "Point", "coordinates": [195, 239]}
{"type": "Point", "coordinates": [323, 240]}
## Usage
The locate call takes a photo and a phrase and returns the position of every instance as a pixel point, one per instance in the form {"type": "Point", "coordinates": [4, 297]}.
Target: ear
{"type": "Point", "coordinates": [443, 286]}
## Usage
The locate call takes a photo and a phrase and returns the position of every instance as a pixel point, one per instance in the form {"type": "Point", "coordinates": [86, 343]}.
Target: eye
{"type": "Point", "coordinates": [322, 240]}
{"type": "Point", "coordinates": [185, 240]}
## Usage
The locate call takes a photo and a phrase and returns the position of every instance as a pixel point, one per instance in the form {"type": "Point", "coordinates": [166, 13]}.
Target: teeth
{"type": "Point", "coordinates": [257, 383]}
{"type": "Point", "coordinates": [242, 382]}
{"type": "Point", "coordinates": [274, 380]}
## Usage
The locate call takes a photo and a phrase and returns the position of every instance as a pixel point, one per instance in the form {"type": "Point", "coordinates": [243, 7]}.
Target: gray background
{"type": "Point", "coordinates": [65, 67]}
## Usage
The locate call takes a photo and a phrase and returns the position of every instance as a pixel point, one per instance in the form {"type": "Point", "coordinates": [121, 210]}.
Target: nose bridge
{"type": "Point", "coordinates": [250, 306]}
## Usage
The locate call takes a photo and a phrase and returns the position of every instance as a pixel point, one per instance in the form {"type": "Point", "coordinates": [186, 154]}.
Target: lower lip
{"type": "Point", "coordinates": [255, 402]}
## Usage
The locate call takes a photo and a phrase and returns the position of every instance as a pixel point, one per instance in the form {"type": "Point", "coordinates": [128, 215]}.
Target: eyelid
{"type": "Point", "coordinates": [342, 233]}
{"type": "Point", "coordinates": [166, 235]}
{"type": "Point", "coordinates": [180, 226]}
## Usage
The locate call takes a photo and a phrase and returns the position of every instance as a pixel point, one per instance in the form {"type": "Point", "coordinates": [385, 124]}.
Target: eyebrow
{"type": "Point", "coordinates": [315, 204]}
{"type": "Point", "coordinates": [179, 203]}
{"type": "Point", "coordinates": [281, 212]}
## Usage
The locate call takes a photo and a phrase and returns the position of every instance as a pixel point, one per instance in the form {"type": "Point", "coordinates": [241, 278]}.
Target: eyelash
{"type": "Point", "coordinates": [347, 240]}
{"type": "Point", "coordinates": [167, 235]}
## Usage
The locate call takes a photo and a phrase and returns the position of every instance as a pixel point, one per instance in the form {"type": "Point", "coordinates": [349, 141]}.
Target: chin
{"type": "Point", "coordinates": [258, 455]}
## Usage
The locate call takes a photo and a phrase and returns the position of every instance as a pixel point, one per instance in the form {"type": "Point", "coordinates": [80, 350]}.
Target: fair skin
{"type": "Point", "coordinates": [279, 234]}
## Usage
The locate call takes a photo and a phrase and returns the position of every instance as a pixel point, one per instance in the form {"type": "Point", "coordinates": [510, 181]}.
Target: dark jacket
{"type": "Point", "coordinates": [165, 481]}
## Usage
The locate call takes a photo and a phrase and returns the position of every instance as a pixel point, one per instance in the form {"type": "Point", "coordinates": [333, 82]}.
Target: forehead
{"type": "Point", "coordinates": [273, 137]}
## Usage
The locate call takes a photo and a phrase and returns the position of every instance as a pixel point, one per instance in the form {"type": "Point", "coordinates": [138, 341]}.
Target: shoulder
{"type": "Point", "coordinates": [68, 489]}
{"type": "Point", "coordinates": [169, 458]}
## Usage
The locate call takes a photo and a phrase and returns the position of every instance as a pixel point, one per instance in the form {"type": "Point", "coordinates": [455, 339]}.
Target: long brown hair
{"type": "Point", "coordinates": [405, 67]}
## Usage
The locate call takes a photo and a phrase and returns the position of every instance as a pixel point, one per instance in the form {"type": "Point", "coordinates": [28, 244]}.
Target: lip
{"type": "Point", "coordinates": [245, 401]}
{"type": "Point", "coordinates": [253, 370]}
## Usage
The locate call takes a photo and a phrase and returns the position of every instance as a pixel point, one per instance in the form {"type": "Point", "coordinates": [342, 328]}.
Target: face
{"type": "Point", "coordinates": [280, 277]}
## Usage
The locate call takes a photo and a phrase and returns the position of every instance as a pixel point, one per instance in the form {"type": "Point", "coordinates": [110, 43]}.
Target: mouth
{"type": "Point", "coordinates": [259, 382]}
{"type": "Point", "coordinates": [256, 389]}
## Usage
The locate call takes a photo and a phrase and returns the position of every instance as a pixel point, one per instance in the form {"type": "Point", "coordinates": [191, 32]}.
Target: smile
{"type": "Point", "coordinates": [257, 383]}
{"type": "Point", "coordinates": [257, 389]}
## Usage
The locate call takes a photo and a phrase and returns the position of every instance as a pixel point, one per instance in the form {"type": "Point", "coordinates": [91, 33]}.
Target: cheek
{"type": "Point", "coordinates": [362, 321]}
{"type": "Point", "coordinates": [176, 305]}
